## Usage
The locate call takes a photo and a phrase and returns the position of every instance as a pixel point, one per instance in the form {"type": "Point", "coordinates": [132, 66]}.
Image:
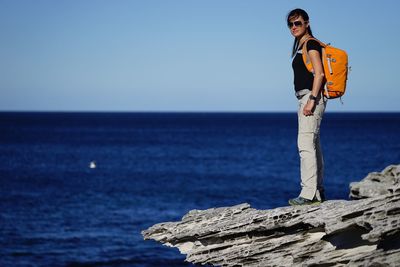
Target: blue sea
{"type": "Point", "coordinates": [58, 210]}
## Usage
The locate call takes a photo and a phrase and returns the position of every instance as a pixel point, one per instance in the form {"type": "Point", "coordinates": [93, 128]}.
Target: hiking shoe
{"type": "Point", "coordinates": [303, 201]}
{"type": "Point", "coordinates": [322, 195]}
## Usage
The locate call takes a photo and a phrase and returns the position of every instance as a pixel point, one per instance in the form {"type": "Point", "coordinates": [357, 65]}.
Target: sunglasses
{"type": "Point", "coordinates": [295, 23]}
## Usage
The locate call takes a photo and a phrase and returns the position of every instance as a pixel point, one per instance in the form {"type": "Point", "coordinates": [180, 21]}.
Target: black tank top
{"type": "Point", "coordinates": [303, 79]}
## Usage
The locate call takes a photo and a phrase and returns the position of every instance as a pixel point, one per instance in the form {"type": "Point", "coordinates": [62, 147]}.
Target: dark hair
{"type": "Point", "coordinates": [298, 12]}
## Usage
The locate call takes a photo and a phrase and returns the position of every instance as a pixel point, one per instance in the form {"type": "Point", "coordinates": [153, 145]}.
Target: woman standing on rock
{"type": "Point", "coordinates": [312, 105]}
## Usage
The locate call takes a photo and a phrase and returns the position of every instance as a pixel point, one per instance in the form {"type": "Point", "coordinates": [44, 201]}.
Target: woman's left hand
{"type": "Point", "coordinates": [309, 107]}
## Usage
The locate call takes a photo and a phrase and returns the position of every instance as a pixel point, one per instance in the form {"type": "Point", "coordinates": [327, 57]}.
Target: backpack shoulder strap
{"type": "Point", "coordinates": [306, 58]}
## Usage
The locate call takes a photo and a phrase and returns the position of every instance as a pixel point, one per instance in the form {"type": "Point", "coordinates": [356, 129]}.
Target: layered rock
{"type": "Point", "coordinates": [359, 232]}
{"type": "Point", "coordinates": [377, 183]}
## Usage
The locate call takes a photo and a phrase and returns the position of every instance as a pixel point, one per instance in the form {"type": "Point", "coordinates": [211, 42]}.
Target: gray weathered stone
{"type": "Point", "coordinates": [336, 233]}
{"type": "Point", "coordinates": [377, 183]}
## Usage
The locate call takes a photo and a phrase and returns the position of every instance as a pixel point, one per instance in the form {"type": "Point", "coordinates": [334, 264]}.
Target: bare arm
{"type": "Point", "coordinates": [318, 69]}
{"type": "Point", "coordinates": [316, 62]}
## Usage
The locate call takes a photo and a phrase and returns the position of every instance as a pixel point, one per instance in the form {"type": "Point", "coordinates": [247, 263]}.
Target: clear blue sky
{"type": "Point", "coordinates": [186, 55]}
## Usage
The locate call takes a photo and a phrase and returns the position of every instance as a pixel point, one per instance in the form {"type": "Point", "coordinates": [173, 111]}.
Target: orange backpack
{"type": "Point", "coordinates": [335, 63]}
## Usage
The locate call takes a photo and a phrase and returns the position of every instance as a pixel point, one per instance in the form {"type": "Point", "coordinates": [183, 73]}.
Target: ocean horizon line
{"type": "Point", "coordinates": [181, 112]}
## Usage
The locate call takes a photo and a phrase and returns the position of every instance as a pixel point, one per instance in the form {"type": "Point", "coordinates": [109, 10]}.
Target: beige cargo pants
{"type": "Point", "coordinates": [308, 141]}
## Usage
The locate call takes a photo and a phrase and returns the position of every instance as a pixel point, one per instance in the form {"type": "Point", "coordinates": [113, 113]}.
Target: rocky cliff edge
{"type": "Point", "coordinates": [361, 232]}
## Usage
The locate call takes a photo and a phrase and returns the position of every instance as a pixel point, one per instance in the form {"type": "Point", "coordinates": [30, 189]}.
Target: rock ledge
{"type": "Point", "coordinates": [335, 233]}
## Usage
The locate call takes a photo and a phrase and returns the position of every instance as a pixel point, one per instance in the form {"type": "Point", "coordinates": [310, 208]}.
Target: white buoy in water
{"type": "Point", "coordinates": [92, 165]}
